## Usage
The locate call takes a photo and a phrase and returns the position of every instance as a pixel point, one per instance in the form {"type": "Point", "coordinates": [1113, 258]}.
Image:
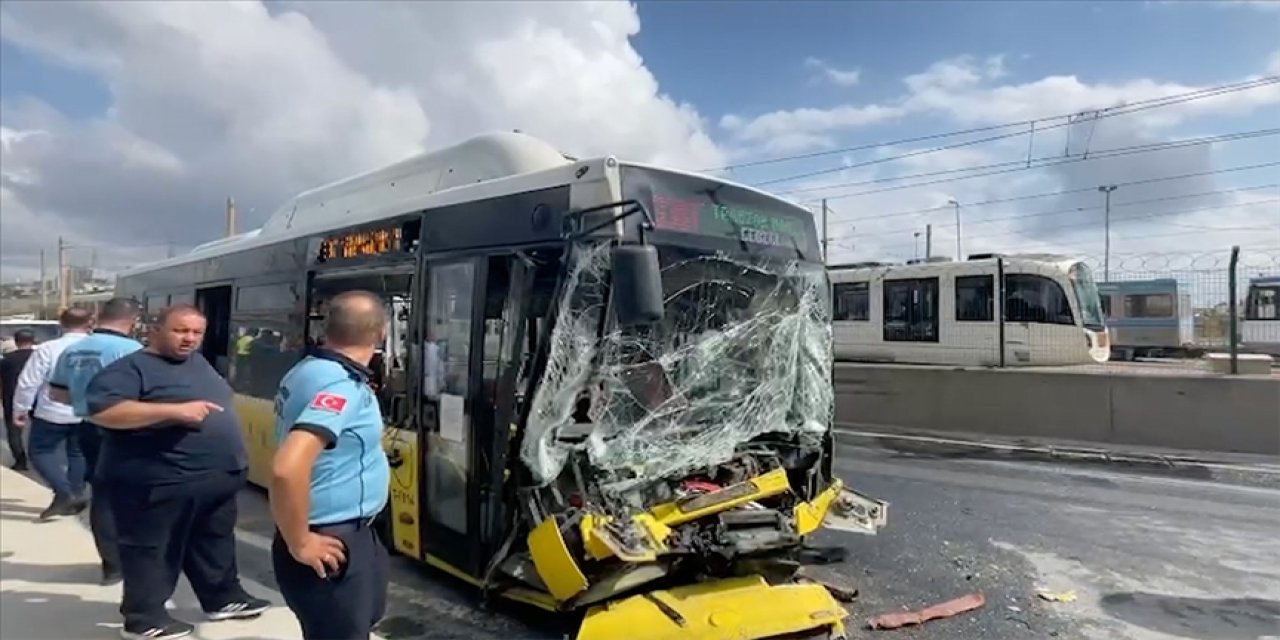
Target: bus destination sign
{"type": "Point", "coordinates": [366, 243]}
{"type": "Point", "coordinates": [696, 206]}
{"type": "Point", "coordinates": [698, 215]}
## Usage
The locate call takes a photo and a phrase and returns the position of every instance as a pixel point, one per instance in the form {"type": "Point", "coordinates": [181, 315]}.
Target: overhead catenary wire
{"type": "Point", "coordinates": [1053, 161]}
{"type": "Point", "coordinates": [1141, 217]}
{"type": "Point", "coordinates": [1039, 214]}
{"type": "Point", "coordinates": [1111, 112]}
{"type": "Point", "coordinates": [1207, 92]}
{"type": "Point", "coordinates": [1049, 194]}
{"type": "Point", "coordinates": [1046, 161]}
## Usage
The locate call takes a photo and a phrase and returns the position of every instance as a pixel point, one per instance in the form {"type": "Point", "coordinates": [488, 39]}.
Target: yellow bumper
{"type": "Point", "coordinates": [729, 609]}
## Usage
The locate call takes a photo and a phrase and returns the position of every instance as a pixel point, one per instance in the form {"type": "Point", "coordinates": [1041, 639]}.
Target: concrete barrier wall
{"type": "Point", "coordinates": [1206, 413]}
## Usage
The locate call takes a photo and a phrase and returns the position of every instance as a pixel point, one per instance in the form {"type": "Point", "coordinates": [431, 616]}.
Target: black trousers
{"type": "Point", "coordinates": [345, 605]}
{"type": "Point", "coordinates": [186, 527]}
{"type": "Point", "coordinates": [14, 433]}
{"type": "Point", "coordinates": [101, 521]}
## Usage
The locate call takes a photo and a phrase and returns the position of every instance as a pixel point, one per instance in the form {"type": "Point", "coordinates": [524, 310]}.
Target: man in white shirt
{"type": "Point", "coordinates": [54, 425]}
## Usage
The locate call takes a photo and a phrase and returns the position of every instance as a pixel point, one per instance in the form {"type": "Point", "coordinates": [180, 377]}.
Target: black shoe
{"type": "Point", "coordinates": [59, 507]}
{"type": "Point", "coordinates": [20, 466]}
{"type": "Point", "coordinates": [111, 576]}
{"type": "Point", "coordinates": [167, 631]}
{"type": "Point", "coordinates": [240, 608]}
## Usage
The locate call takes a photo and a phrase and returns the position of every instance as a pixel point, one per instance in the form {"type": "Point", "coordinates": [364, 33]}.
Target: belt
{"type": "Point", "coordinates": [339, 528]}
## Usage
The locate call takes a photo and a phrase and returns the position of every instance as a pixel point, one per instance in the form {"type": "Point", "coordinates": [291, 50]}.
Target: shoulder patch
{"type": "Point", "coordinates": [329, 402]}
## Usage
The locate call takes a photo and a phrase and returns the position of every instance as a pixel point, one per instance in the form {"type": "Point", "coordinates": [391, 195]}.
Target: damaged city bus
{"type": "Point", "coordinates": [607, 386]}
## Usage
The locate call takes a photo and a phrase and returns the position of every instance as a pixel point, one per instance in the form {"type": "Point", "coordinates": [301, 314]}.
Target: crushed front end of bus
{"type": "Point", "coordinates": [677, 468]}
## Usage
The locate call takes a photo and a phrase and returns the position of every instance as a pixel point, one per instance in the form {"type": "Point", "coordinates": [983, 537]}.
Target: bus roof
{"type": "Point", "coordinates": [484, 166]}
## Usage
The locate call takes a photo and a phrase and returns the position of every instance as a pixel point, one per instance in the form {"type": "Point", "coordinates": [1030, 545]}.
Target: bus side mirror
{"type": "Point", "coordinates": [637, 284]}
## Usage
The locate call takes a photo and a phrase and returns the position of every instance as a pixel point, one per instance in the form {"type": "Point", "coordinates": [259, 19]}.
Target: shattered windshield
{"type": "Point", "coordinates": [744, 349]}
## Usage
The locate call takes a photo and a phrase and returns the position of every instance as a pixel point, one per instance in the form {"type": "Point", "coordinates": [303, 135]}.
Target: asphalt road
{"type": "Point", "coordinates": [1148, 556]}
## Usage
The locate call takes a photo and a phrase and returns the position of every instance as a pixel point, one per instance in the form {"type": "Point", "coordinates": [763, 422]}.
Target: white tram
{"type": "Point", "coordinates": [1261, 327]}
{"type": "Point", "coordinates": [945, 312]}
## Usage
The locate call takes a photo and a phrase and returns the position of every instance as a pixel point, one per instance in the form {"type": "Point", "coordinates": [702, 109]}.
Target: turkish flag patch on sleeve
{"type": "Point", "coordinates": [329, 402]}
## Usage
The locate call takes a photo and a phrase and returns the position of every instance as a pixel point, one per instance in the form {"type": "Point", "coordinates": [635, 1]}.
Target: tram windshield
{"type": "Point", "coordinates": [1087, 297]}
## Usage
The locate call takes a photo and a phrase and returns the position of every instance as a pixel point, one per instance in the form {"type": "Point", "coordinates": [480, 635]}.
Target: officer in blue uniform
{"type": "Point", "coordinates": [69, 384]}
{"type": "Point", "coordinates": [330, 478]}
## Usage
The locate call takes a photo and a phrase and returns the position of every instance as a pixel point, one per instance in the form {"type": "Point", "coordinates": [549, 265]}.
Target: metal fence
{"type": "Point", "coordinates": [1172, 309]}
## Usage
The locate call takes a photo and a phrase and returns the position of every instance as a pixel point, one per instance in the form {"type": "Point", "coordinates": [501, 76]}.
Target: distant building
{"type": "Point", "coordinates": [78, 278]}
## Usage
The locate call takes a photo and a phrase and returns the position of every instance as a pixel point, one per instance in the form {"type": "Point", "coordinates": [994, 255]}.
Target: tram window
{"type": "Point", "coordinates": [911, 310]}
{"type": "Point", "coordinates": [1033, 298]}
{"type": "Point", "coordinates": [1264, 304]}
{"type": "Point", "coordinates": [852, 301]}
{"type": "Point", "coordinates": [975, 298]}
{"type": "Point", "coordinates": [182, 298]}
{"type": "Point", "coordinates": [1106, 306]}
{"type": "Point", "coordinates": [1149, 305]}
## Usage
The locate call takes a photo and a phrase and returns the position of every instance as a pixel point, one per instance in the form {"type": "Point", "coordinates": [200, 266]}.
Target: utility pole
{"type": "Point", "coordinates": [1106, 251]}
{"type": "Point", "coordinates": [63, 299]}
{"type": "Point", "coordinates": [44, 287]}
{"type": "Point", "coordinates": [231, 216]}
{"type": "Point", "coordinates": [928, 242]}
{"type": "Point", "coordinates": [824, 231]}
{"type": "Point", "coordinates": [952, 202]}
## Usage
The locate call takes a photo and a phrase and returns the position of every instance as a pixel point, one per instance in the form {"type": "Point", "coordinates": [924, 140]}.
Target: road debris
{"type": "Point", "coordinates": [946, 609]}
{"type": "Point", "coordinates": [1061, 596]}
{"type": "Point", "coordinates": [835, 584]}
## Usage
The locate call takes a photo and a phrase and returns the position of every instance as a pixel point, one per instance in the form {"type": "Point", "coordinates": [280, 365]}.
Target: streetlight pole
{"type": "Point", "coordinates": [64, 299]}
{"type": "Point", "coordinates": [824, 232]}
{"type": "Point", "coordinates": [916, 235]}
{"type": "Point", "coordinates": [1106, 251]}
{"type": "Point", "coordinates": [952, 202]}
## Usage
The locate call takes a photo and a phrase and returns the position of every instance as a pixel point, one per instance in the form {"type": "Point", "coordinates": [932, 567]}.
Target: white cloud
{"type": "Point", "coordinates": [217, 99]}
{"type": "Point", "coordinates": [1260, 5]}
{"type": "Point", "coordinates": [828, 73]}
{"type": "Point", "coordinates": [815, 125]}
{"type": "Point", "coordinates": [955, 73]}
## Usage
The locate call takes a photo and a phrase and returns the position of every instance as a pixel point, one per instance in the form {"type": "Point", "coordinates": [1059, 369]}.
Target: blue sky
{"type": "Point", "coordinates": [748, 57]}
{"type": "Point", "coordinates": [686, 43]}
{"type": "Point", "coordinates": [157, 108]}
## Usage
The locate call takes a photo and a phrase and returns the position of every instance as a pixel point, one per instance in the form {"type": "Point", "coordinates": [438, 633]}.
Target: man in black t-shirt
{"type": "Point", "coordinates": [174, 460]}
{"type": "Point", "coordinates": [10, 368]}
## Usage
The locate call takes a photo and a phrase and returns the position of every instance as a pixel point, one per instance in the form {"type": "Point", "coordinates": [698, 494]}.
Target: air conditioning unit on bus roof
{"type": "Point", "coordinates": [929, 260]}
